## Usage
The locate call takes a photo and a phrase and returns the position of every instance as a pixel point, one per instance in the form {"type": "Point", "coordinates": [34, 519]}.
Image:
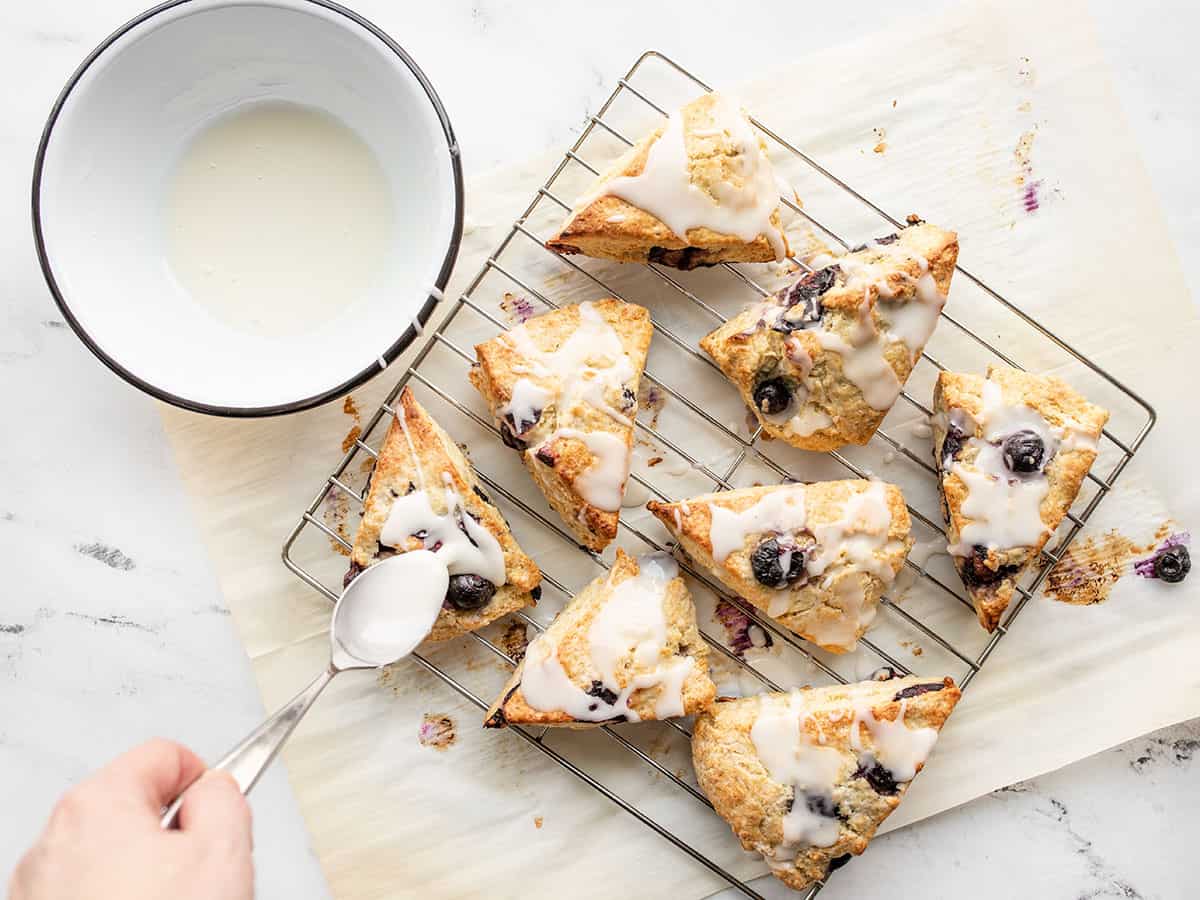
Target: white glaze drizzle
{"type": "Point", "coordinates": [792, 759]}
{"type": "Point", "coordinates": [665, 189]}
{"type": "Point", "coordinates": [780, 511]}
{"type": "Point", "coordinates": [602, 484]}
{"type": "Point", "coordinates": [466, 547]}
{"type": "Point", "coordinates": [895, 746]}
{"type": "Point", "coordinates": [851, 541]}
{"type": "Point", "coordinates": [1004, 507]}
{"type": "Point", "coordinates": [909, 322]}
{"type": "Point", "coordinates": [590, 365]}
{"type": "Point", "coordinates": [525, 405]}
{"type": "Point", "coordinates": [629, 630]}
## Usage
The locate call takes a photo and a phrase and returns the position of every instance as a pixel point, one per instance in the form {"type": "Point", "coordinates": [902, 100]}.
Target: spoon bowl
{"type": "Point", "coordinates": [380, 618]}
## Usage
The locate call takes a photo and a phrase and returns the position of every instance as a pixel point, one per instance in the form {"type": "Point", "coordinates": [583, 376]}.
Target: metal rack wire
{"type": "Point", "coordinates": [749, 453]}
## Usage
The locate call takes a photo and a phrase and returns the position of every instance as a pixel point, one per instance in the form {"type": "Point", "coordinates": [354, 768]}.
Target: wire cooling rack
{"type": "Point", "coordinates": [699, 439]}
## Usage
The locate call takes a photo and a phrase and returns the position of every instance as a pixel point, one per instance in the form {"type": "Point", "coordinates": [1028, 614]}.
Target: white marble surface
{"type": "Point", "coordinates": [112, 628]}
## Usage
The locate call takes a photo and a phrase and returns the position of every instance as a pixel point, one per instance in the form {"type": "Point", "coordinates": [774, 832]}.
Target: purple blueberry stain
{"type": "Point", "coordinates": [737, 629]}
{"type": "Point", "coordinates": [517, 309]}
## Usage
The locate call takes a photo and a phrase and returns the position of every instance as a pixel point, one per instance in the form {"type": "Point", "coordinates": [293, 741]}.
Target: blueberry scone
{"type": "Point", "coordinates": [806, 778]}
{"type": "Point", "coordinates": [696, 192]}
{"type": "Point", "coordinates": [424, 494]}
{"type": "Point", "coordinates": [817, 557]}
{"type": "Point", "coordinates": [822, 361]}
{"type": "Point", "coordinates": [625, 649]}
{"type": "Point", "coordinates": [1012, 450]}
{"type": "Point", "coordinates": [563, 390]}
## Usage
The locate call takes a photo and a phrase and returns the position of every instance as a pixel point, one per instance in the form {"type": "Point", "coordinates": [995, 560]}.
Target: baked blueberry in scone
{"type": "Point", "coordinates": [697, 191]}
{"type": "Point", "coordinates": [625, 649]}
{"type": "Point", "coordinates": [563, 390]}
{"type": "Point", "coordinates": [816, 557]}
{"type": "Point", "coordinates": [425, 495]}
{"type": "Point", "coordinates": [1012, 450]}
{"type": "Point", "coordinates": [805, 778]}
{"type": "Point", "coordinates": [822, 361]}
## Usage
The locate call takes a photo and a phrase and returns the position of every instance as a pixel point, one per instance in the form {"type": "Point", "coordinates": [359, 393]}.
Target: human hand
{"type": "Point", "coordinates": [104, 840]}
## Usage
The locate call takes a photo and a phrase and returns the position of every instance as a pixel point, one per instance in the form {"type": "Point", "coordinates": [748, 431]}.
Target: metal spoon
{"type": "Point", "coordinates": [379, 619]}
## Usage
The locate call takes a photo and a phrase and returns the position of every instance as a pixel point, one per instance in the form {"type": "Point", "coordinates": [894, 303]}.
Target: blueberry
{"type": "Point", "coordinates": [803, 300]}
{"type": "Point", "coordinates": [772, 397]}
{"type": "Point", "coordinates": [510, 439]}
{"type": "Point", "coordinates": [821, 805]}
{"type": "Point", "coordinates": [521, 425]}
{"type": "Point", "coordinates": [468, 592]}
{"type": "Point", "coordinates": [353, 572]}
{"type": "Point", "coordinates": [685, 258]}
{"type": "Point", "coordinates": [1023, 452]}
{"type": "Point", "coordinates": [879, 777]}
{"type": "Point", "coordinates": [953, 444]}
{"type": "Point", "coordinates": [545, 455]}
{"type": "Point", "coordinates": [604, 694]}
{"type": "Point", "coordinates": [628, 399]}
{"type": "Point", "coordinates": [480, 494]}
{"type": "Point", "coordinates": [1173, 564]}
{"type": "Point", "coordinates": [883, 673]}
{"type": "Point", "coordinates": [535, 593]}
{"type": "Point", "coordinates": [767, 562]}
{"type": "Point", "coordinates": [915, 690]}
{"type": "Point", "coordinates": [886, 239]}
{"type": "Point", "coordinates": [838, 861]}
{"type": "Point", "coordinates": [975, 569]}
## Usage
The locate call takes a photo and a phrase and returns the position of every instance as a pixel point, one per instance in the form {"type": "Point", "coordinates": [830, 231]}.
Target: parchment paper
{"type": "Point", "coordinates": [998, 121]}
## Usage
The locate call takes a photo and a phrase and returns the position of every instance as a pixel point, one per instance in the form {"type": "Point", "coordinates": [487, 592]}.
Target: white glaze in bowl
{"type": "Point", "coordinates": [117, 131]}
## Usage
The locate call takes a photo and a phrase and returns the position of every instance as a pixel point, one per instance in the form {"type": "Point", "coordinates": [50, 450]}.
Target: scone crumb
{"type": "Point", "coordinates": [437, 731]}
{"type": "Point", "coordinates": [514, 641]}
{"type": "Point", "coordinates": [537, 821]}
{"type": "Point", "coordinates": [351, 436]}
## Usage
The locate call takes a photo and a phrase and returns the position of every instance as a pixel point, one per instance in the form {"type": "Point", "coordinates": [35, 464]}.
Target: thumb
{"type": "Point", "coordinates": [214, 808]}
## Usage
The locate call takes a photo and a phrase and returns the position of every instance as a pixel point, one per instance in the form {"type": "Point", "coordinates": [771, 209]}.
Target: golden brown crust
{"type": "Point", "coordinates": [569, 632]}
{"type": "Point", "coordinates": [608, 227]}
{"type": "Point", "coordinates": [558, 469]}
{"type": "Point", "coordinates": [743, 792]}
{"type": "Point", "coordinates": [434, 454]}
{"type": "Point", "coordinates": [749, 350]}
{"type": "Point", "coordinates": [833, 610]}
{"type": "Point", "coordinates": [1063, 408]}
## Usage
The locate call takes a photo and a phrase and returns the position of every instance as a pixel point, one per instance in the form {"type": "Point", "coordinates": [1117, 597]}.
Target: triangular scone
{"type": "Point", "coordinates": [822, 361]}
{"type": "Point", "coordinates": [806, 778]}
{"type": "Point", "coordinates": [1012, 450]}
{"type": "Point", "coordinates": [625, 649]}
{"type": "Point", "coordinates": [817, 557]}
{"type": "Point", "coordinates": [424, 494]}
{"type": "Point", "coordinates": [563, 389]}
{"type": "Point", "coordinates": [698, 191]}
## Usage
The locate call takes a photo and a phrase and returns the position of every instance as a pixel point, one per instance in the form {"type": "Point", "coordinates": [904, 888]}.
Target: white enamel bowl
{"type": "Point", "coordinates": [123, 120]}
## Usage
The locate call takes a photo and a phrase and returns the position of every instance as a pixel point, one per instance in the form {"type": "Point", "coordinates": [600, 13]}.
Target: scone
{"type": "Point", "coordinates": [822, 361]}
{"type": "Point", "coordinates": [696, 192]}
{"type": "Point", "coordinates": [806, 778]}
{"type": "Point", "coordinates": [425, 495]}
{"type": "Point", "coordinates": [563, 390]}
{"type": "Point", "coordinates": [817, 557]}
{"type": "Point", "coordinates": [625, 649]}
{"type": "Point", "coordinates": [1012, 450]}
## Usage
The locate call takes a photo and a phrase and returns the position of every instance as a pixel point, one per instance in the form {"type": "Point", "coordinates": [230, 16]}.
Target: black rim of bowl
{"type": "Point", "coordinates": [399, 346]}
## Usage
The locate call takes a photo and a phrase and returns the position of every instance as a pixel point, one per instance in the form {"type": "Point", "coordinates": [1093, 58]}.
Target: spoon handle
{"type": "Point", "coordinates": [247, 761]}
